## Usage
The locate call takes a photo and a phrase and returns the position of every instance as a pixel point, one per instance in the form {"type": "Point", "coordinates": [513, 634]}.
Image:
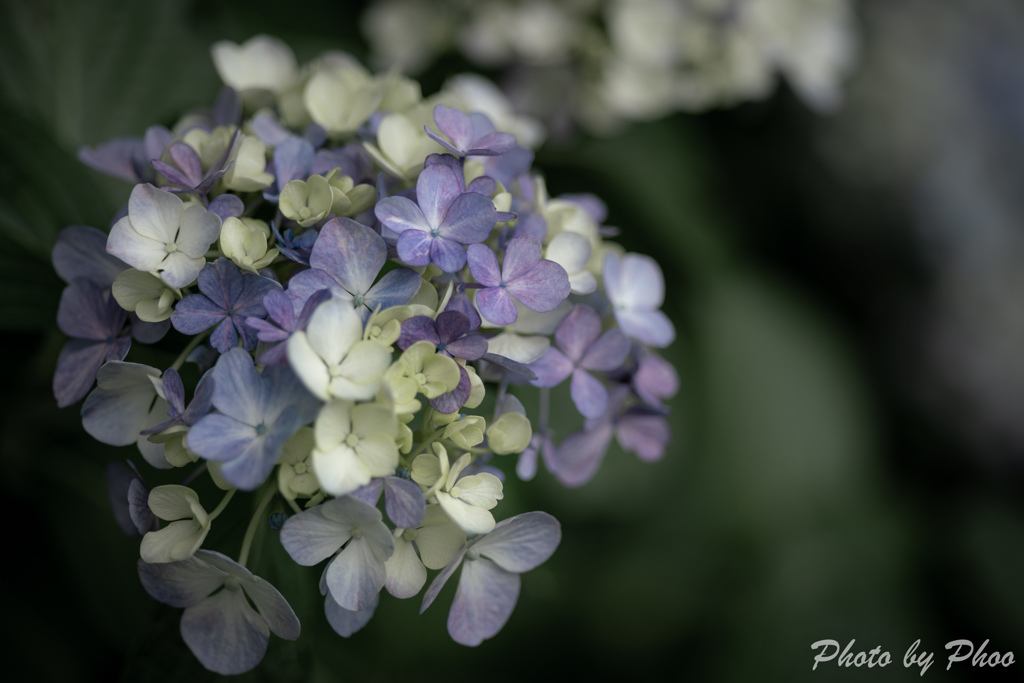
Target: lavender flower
{"type": "Point", "coordinates": [537, 283]}
{"type": "Point", "coordinates": [472, 135]}
{"type": "Point", "coordinates": [228, 298]}
{"type": "Point", "coordinates": [489, 584]}
{"type": "Point", "coordinates": [636, 289]}
{"type": "Point", "coordinates": [443, 218]}
{"type": "Point", "coordinates": [582, 350]}
{"type": "Point", "coordinates": [221, 628]}
{"type": "Point", "coordinates": [255, 416]}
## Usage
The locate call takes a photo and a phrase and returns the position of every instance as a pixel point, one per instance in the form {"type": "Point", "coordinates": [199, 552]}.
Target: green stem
{"type": "Point", "coordinates": [223, 504]}
{"type": "Point", "coordinates": [196, 341]}
{"type": "Point", "coordinates": [250, 532]}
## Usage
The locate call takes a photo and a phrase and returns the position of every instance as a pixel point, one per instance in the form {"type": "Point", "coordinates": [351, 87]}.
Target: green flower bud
{"type": "Point", "coordinates": [306, 201]}
{"type": "Point", "coordinates": [511, 433]}
{"type": "Point", "coordinates": [145, 294]}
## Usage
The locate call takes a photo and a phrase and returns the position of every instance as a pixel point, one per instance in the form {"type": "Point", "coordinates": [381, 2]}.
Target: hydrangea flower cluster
{"type": "Point", "coordinates": [358, 273]}
{"type": "Point", "coordinates": [627, 60]}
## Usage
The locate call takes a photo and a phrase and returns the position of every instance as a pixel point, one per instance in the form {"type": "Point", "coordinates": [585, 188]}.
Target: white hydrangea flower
{"type": "Point", "coordinates": [261, 63]}
{"type": "Point", "coordinates": [187, 530]}
{"type": "Point", "coordinates": [467, 501]}
{"type": "Point", "coordinates": [354, 443]}
{"type": "Point", "coordinates": [160, 235]}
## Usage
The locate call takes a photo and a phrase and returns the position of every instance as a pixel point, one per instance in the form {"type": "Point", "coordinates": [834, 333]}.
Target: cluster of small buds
{"type": "Point", "coordinates": [350, 293]}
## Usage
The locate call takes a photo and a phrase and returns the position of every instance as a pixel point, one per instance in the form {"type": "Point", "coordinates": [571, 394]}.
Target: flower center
{"type": "Point", "coordinates": [299, 467]}
{"type": "Point", "coordinates": [261, 429]}
{"type": "Point", "coordinates": [352, 441]}
{"type": "Point", "coordinates": [472, 554]}
{"type": "Point", "coordinates": [435, 232]}
{"type": "Point", "coordinates": [357, 533]}
{"type": "Point", "coordinates": [171, 247]}
{"type": "Point", "coordinates": [456, 492]}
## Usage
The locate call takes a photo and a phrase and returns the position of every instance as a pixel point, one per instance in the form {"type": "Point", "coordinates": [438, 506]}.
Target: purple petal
{"type": "Point", "coordinates": [180, 584]}
{"type": "Point", "coordinates": [551, 369]}
{"type": "Point", "coordinates": [369, 493]}
{"type": "Point", "coordinates": [304, 285]}
{"type": "Point", "coordinates": [645, 435]}
{"type": "Point", "coordinates": [441, 141]}
{"type": "Point", "coordinates": [114, 157]}
{"type": "Point", "coordinates": [356, 575]}
{"type": "Point", "coordinates": [510, 366]}
{"type": "Point", "coordinates": [578, 331]}
{"type": "Point", "coordinates": [186, 159]}
{"type": "Point", "coordinates": [484, 601]}
{"type": "Point", "coordinates": [221, 438]}
{"type": "Point", "coordinates": [174, 390]}
{"type": "Point", "coordinates": [472, 347]}
{"type": "Point", "coordinates": [202, 400]}
{"type": "Point", "coordinates": [115, 415]}
{"type": "Point", "coordinates": [77, 365]}
{"type": "Point", "coordinates": [292, 160]}
{"type": "Point", "coordinates": [404, 502]}
{"type": "Point", "coordinates": [400, 214]}
{"type": "Point", "coordinates": [436, 188]}
{"type": "Point", "coordinates": [225, 633]}
{"type": "Point", "coordinates": [447, 254]}
{"type": "Point", "coordinates": [580, 454]}
{"type": "Point", "coordinates": [543, 288]}
{"type": "Point", "coordinates": [120, 476]}
{"type": "Point", "coordinates": [81, 253]}
{"type": "Point", "coordinates": [483, 185]}
{"type": "Point", "coordinates": [225, 336]}
{"type": "Point", "coordinates": [394, 289]}
{"type": "Point", "coordinates": [310, 538]}
{"type": "Point", "coordinates": [496, 306]}
{"type": "Point", "coordinates": [418, 328]}
{"type": "Point", "coordinates": [142, 518]}
{"type": "Point", "coordinates": [655, 379]}
{"type": "Point", "coordinates": [226, 206]}
{"type": "Point", "coordinates": [492, 144]}
{"type": "Point", "coordinates": [451, 401]}
{"type": "Point", "coordinates": [274, 609]}
{"type": "Point", "coordinates": [270, 132]}
{"type": "Point", "coordinates": [345, 622]}
{"type": "Point", "coordinates": [483, 264]}
{"type": "Point", "coordinates": [455, 125]}
{"type": "Point", "coordinates": [227, 108]}
{"type": "Point", "coordinates": [607, 353]}
{"type": "Point", "coordinates": [146, 332]}
{"type": "Point", "coordinates": [238, 391]}
{"type": "Point", "coordinates": [266, 332]}
{"type": "Point", "coordinates": [462, 304]}
{"type": "Point", "coordinates": [85, 312]}
{"type": "Point", "coordinates": [221, 281]}
{"type": "Point", "coordinates": [649, 326]}
{"type": "Point", "coordinates": [589, 395]}
{"type": "Point", "coordinates": [532, 225]}
{"type": "Point", "coordinates": [440, 580]}
{"type": "Point", "coordinates": [414, 247]}
{"type": "Point", "coordinates": [196, 313]}
{"type": "Point", "coordinates": [351, 252]}
{"type": "Point", "coordinates": [470, 218]}
{"type": "Point", "coordinates": [279, 309]}
{"type": "Point", "coordinates": [451, 325]}
{"type": "Point", "coordinates": [523, 542]}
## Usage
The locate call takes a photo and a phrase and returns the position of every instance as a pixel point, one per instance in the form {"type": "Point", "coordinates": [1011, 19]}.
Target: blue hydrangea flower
{"type": "Point", "coordinates": [255, 415]}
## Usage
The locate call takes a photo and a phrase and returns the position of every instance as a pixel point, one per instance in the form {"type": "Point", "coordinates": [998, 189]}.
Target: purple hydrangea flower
{"type": "Point", "coordinates": [95, 324]}
{"type": "Point", "coordinates": [346, 258]}
{"type": "Point", "coordinates": [636, 290]}
{"type": "Point", "coordinates": [403, 499]}
{"type": "Point", "coordinates": [450, 334]}
{"type": "Point", "coordinates": [472, 135]}
{"type": "Point", "coordinates": [582, 349]}
{"type": "Point", "coordinates": [128, 158]}
{"type": "Point", "coordinates": [280, 310]}
{"type": "Point", "coordinates": [228, 298]}
{"type": "Point", "coordinates": [295, 247]}
{"type": "Point", "coordinates": [174, 393]}
{"type": "Point", "coordinates": [219, 625]}
{"type": "Point", "coordinates": [186, 172]}
{"type": "Point", "coordinates": [255, 415]}
{"type": "Point", "coordinates": [537, 283]}
{"type": "Point", "coordinates": [443, 218]}
{"type": "Point", "coordinates": [639, 429]}
{"type": "Point", "coordinates": [491, 565]}
{"type": "Point", "coordinates": [356, 574]}
{"type": "Point", "coordinates": [81, 254]}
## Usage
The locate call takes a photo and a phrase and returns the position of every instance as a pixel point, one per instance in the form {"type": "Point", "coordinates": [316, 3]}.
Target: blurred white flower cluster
{"type": "Point", "coordinates": [604, 62]}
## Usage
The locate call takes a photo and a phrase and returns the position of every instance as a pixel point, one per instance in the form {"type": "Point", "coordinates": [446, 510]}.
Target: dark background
{"type": "Point", "coordinates": [847, 452]}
